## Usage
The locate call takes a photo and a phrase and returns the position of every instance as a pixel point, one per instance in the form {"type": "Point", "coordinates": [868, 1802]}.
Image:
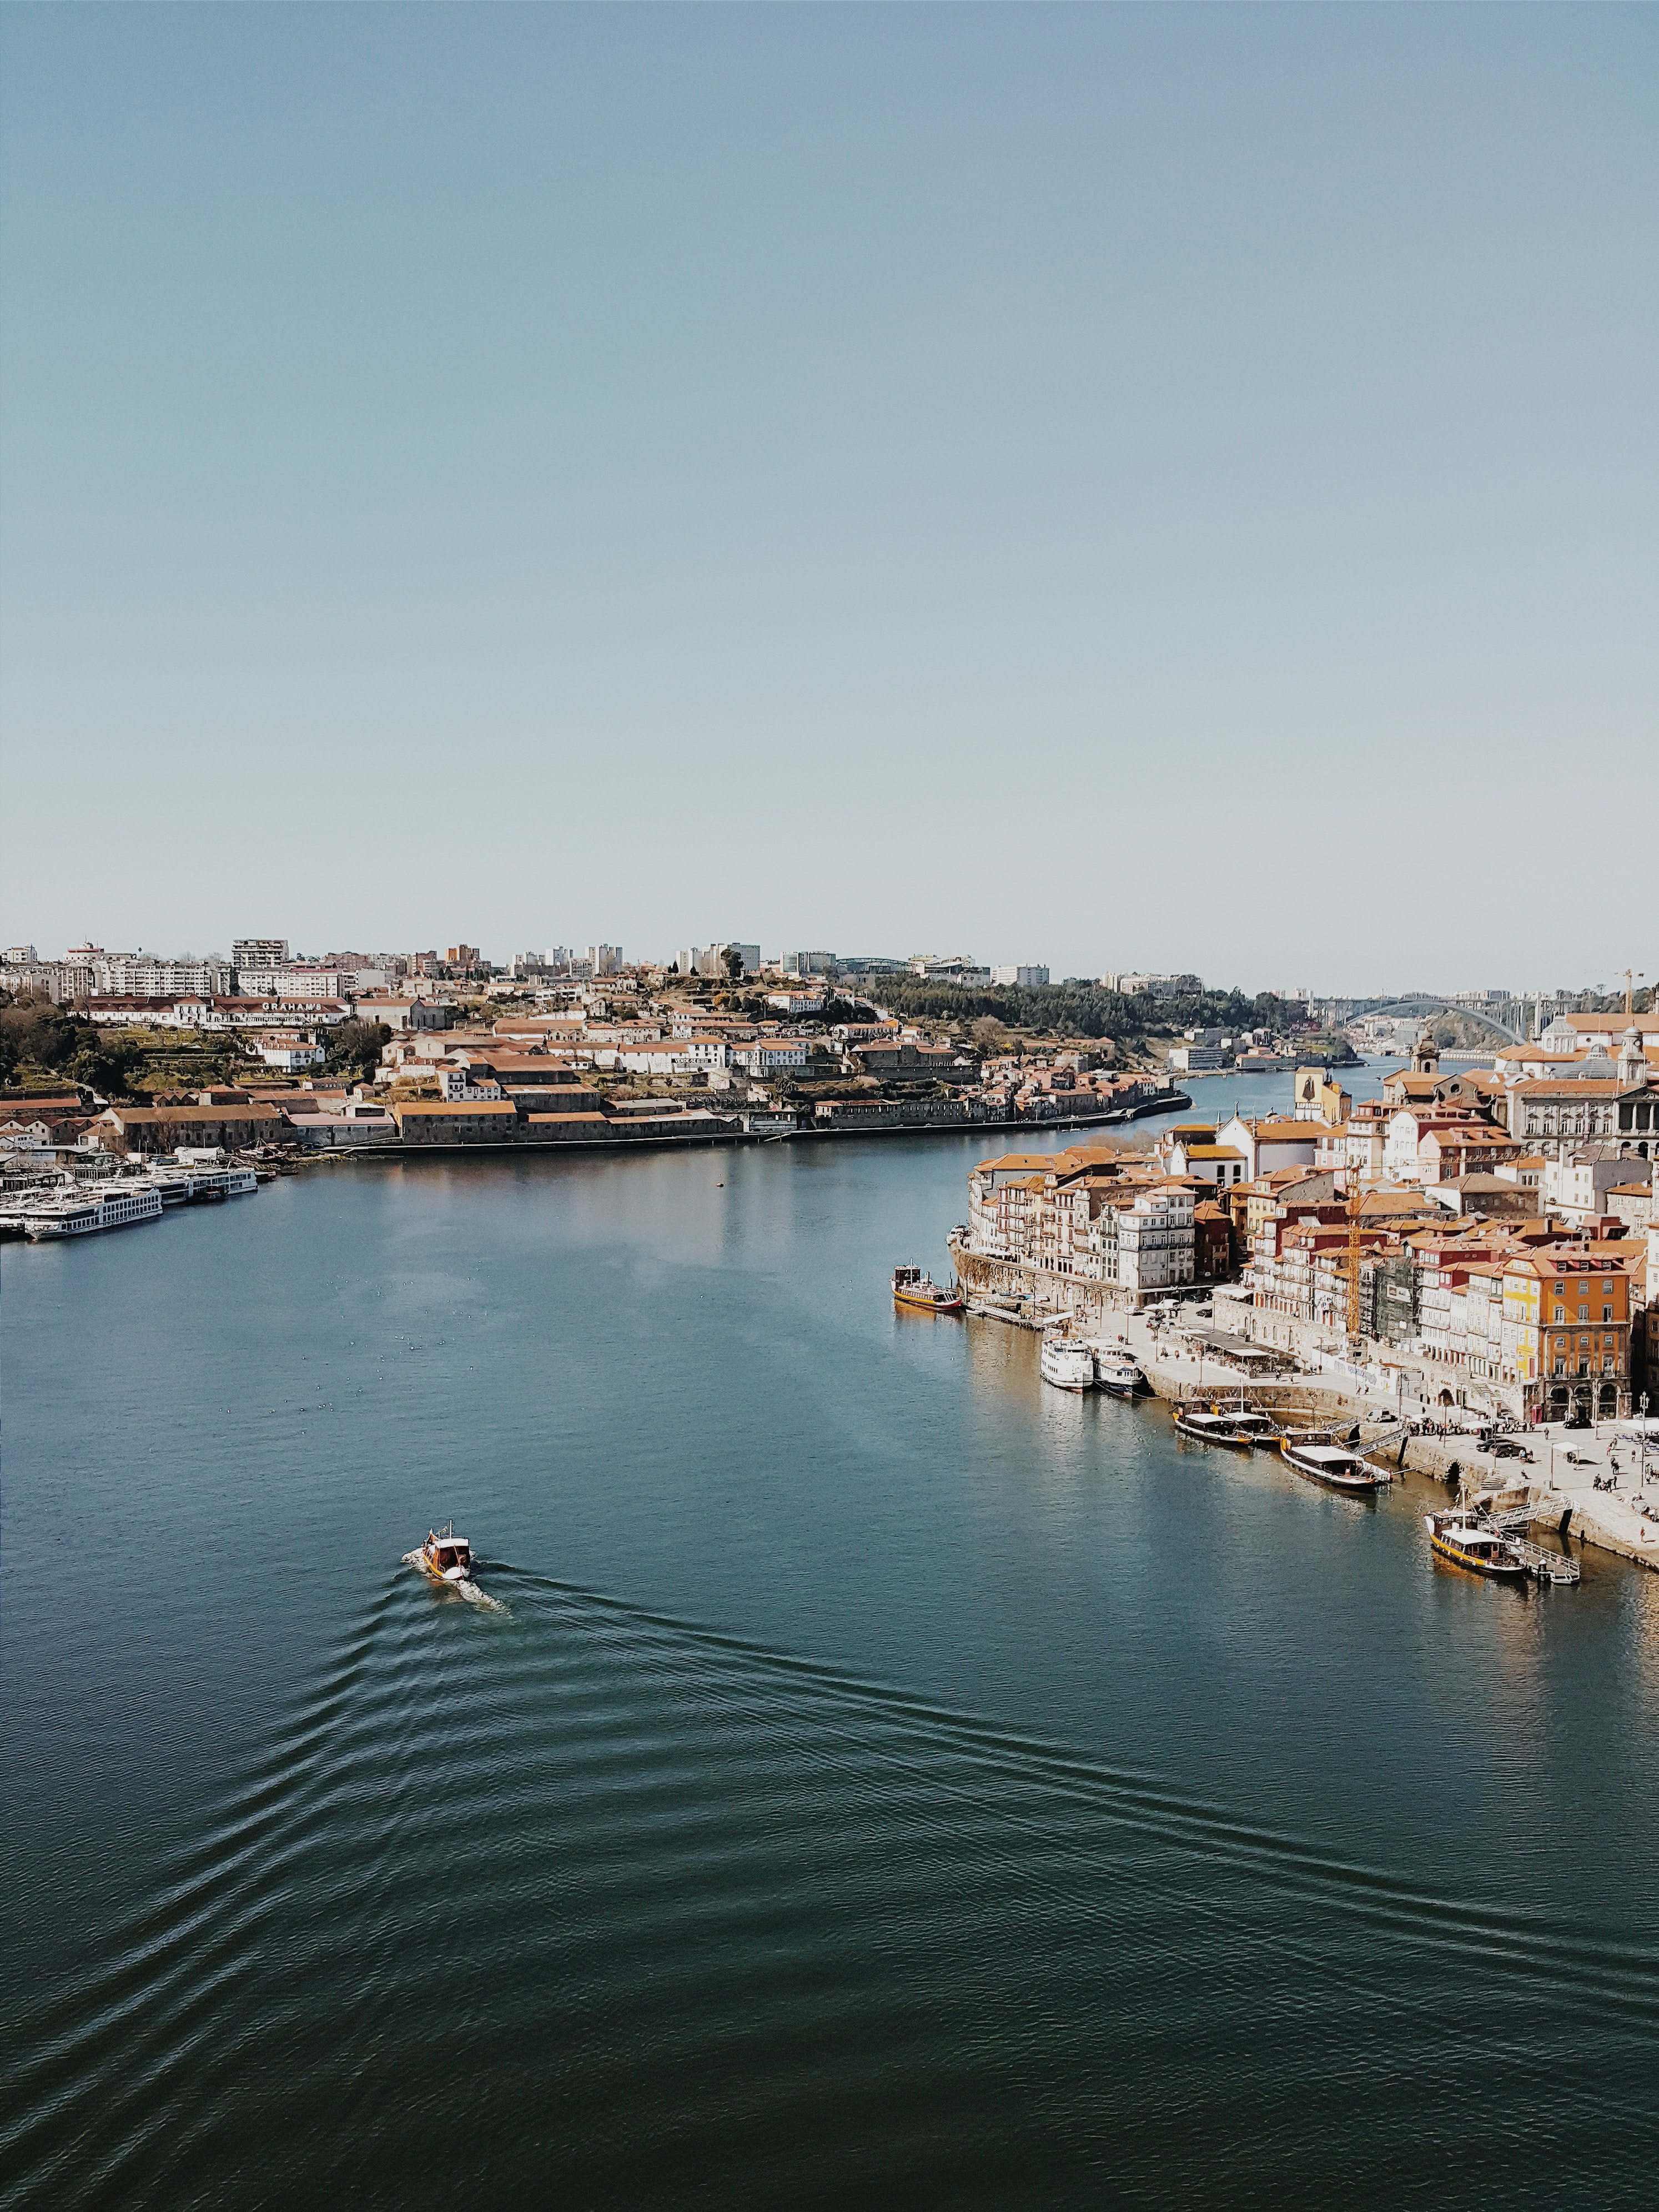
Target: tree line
{"type": "Point", "coordinates": [1085, 1010]}
{"type": "Point", "coordinates": [41, 1038]}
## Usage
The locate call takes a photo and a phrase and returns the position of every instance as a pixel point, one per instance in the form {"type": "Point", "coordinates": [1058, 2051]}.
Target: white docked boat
{"type": "Point", "coordinates": [1117, 1372]}
{"type": "Point", "coordinates": [121, 1206]}
{"type": "Point", "coordinates": [217, 1182]}
{"type": "Point", "coordinates": [1067, 1363]}
{"type": "Point", "coordinates": [171, 1186]}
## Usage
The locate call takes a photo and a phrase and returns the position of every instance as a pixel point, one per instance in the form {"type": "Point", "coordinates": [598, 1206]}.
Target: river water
{"type": "Point", "coordinates": [886, 1779]}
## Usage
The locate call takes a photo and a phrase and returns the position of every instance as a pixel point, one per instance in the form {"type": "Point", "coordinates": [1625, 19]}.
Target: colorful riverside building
{"type": "Point", "coordinates": [1566, 1333]}
{"type": "Point", "coordinates": [1083, 1229]}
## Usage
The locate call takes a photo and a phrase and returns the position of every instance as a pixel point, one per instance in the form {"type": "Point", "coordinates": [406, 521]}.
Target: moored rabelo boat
{"type": "Point", "coordinates": [1464, 1542]}
{"type": "Point", "coordinates": [1333, 1466]}
{"type": "Point", "coordinates": [1206, 1427]}
{"type": "Point", "coordinates": [921, 1294]}
{"type": "Point", "coordinates": [1249, 1421]}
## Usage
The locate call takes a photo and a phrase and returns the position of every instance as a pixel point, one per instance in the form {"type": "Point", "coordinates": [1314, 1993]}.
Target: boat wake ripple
{"type": "Point", "coordinates": [468, 1590]}
{"type": "Point", "coordinates": [624, 1893]}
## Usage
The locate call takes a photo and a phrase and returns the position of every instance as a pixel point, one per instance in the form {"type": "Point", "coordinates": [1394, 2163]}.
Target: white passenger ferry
{"type": "Point", "coordinates": [1116, 1370]}
{"type": "Point", "coordinates": [1067, 1364]}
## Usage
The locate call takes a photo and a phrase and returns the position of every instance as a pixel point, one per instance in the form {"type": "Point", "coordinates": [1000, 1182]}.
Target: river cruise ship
{"type": "Point", "coordinates": [123, 1206]}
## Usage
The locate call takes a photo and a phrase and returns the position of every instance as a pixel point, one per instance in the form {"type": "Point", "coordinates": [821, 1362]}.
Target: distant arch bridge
{"type": "Point", "coordinates": [1422, 1003]}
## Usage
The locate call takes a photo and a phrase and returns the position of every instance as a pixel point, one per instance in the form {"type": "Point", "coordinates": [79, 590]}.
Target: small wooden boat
{"type": "Point", "coordinates": [1205, 1427]}
{"type": "Point", "coordinates": [1456, 1538]}
{"type": "Point", "coordinates": [922, 1294]}
{"type": "Point", "coordinates": [1333, 1466]}
{"type": "Point", "coordinates": [447, 1557]}
{"type": "Point", "coordinates": [1250, 1421]}
{"type": "Point", "coordinates": [1067, 1363]}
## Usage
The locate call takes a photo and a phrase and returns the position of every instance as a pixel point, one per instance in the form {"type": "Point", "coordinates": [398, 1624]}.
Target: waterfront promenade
{"type": "Point", "coordinates": [1595, 1483]}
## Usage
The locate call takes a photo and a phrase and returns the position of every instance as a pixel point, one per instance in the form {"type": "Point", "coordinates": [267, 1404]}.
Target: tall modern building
{"type": "Point", "coordinates": [710, 959]}
{"type": "Point", "coordinates": [260, 952]}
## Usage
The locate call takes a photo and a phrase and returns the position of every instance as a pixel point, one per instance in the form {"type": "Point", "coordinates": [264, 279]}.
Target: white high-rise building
{"type": "Point", "coordinates": [710, 959]}
{"type": "Point", "coordinates": [142, 975]}
{"type": "Point", "coordinates": [261, 952]}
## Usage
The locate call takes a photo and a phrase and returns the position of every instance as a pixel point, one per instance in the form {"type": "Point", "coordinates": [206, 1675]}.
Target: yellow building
{"type": "Point", "coordinates": [1566, 1333]}
{"type": "Point", "coordinates": [1319, 1097]}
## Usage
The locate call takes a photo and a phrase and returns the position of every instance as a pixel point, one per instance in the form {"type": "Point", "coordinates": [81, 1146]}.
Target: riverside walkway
{"type": "Point", "coordinates": [1587, 1483]}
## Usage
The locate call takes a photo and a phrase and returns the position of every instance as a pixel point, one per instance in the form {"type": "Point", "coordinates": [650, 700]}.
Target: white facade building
{"type": "Point", "coordinates": [140, 975]}
{"type": "Point", "coordinates": [769, 1055]}
{"type": "Point", "coordinates": [461, 1083]}
{"type": "Point", "coordinates": [290, 1054]}
{"type": "Point", "coordinates": [264, 954]}
{"type": "Point", "coordinates": [1155, 1241]}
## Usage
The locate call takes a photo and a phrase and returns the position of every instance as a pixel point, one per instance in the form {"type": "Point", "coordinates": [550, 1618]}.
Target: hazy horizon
{"type": "Point", "coordinates": [1114, 488]}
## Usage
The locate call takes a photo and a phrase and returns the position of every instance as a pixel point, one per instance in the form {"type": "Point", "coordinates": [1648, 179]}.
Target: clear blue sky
{"type": "Point", "coordinates": [1113, 486]}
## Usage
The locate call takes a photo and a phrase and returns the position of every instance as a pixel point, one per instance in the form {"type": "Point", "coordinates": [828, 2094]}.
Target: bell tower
{"type": "Point", "coordinates": [1425, 1056]}
{"type": "Point", "coordinates": [1632, 1060]}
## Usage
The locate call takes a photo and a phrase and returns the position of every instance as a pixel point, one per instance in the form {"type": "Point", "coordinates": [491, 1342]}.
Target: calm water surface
{"type": "Point", "coordinates": [886, 1779]}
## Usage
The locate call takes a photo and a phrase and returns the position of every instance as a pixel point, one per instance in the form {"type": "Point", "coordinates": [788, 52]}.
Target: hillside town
{"type": "Point", "coordinates": [1490, 1224]}
{"type": "Point", "coordinates": [429, 1052]}
{"type": "Point", "coordinates": [1489, 1237]}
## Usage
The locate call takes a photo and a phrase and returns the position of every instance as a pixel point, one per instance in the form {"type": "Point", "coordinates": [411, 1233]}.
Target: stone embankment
{"type": "Point", "coordinates": [1583, 1484]}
